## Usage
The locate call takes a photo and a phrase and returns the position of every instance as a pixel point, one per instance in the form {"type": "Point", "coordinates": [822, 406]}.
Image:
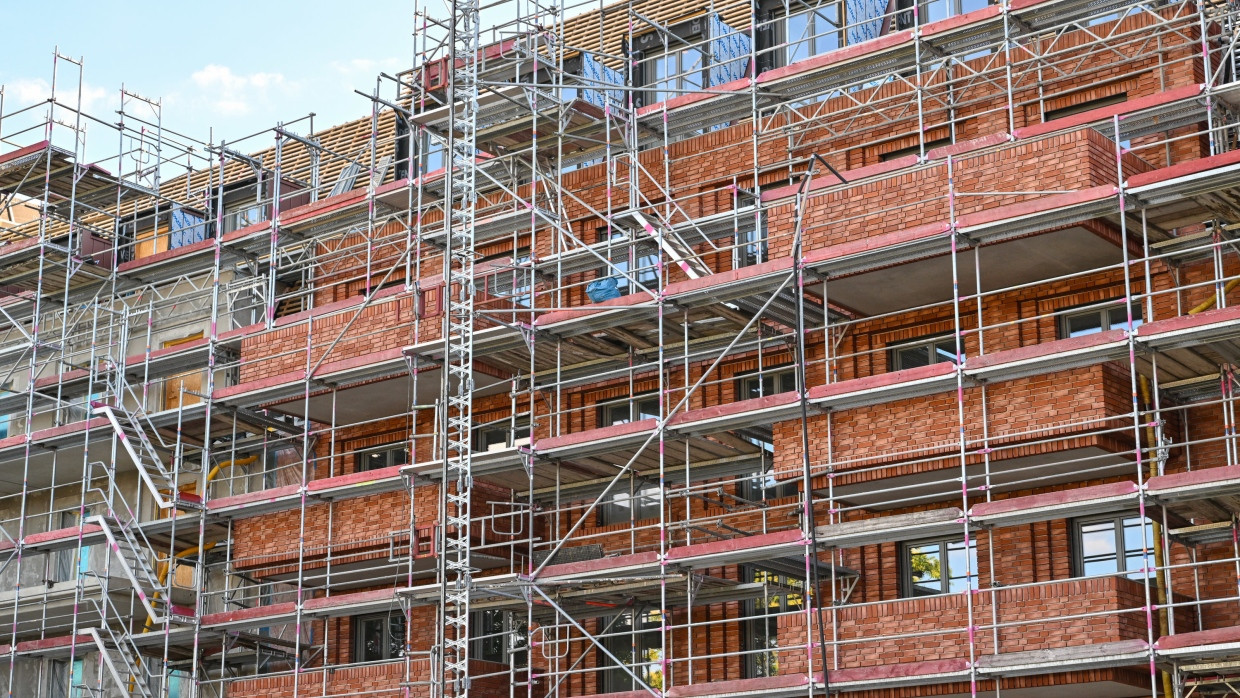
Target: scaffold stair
{"type": "Point", "coordinates": [131, 429]}
{"type": "Point", "coordinates": [121, 659]}
{"type": "Point", "coordinates": [128, 544]}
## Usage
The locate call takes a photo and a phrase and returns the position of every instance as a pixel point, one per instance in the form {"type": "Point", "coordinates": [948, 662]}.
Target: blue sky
{"type": "Point", "coordinates": [237, 67]}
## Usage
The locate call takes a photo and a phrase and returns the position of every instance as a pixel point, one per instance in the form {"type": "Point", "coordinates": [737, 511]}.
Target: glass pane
{"type": "Point", "coordinates": [925, 569]}
{"type": "Point", "coordinates": [751, 248]}
{"type": "Point", "coordinates": [1083, 323]}
{"type": "Point", "coordinates": [971, 5]}
{"type": "Point", "coordinates": [934, 11]}
{"type": "Point", "coordinates": [1134, 530]}
{"type": "Point", "coordinates": [1098, 554]}
{"type": "Point", "coordinates": [616, 414]}
{"type": "Point", "coordinates": [912, 357]}
{"type": "Point", "coordinates": [1119, 317]}
{"type": "Point", "coordinates": [800, 46]}
{"type": "Point", "coordinates": [826, 30]}
{"type": "Point", "coordinates": [944, 351]}
{"type": "Point", "coordinates": [961, 577]}
{"type": "Point", "coordinates": [692, 63]}
{"type": "Point", "coordinates": [648, 409]}
{"type": "Point", "coordinates": [395, 636]}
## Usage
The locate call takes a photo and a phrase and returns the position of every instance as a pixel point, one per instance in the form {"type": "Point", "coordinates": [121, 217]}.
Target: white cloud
{"type": "Point", "coordinates": [229, 94]}
{"type": "Point", "coordinates": [24, 92]}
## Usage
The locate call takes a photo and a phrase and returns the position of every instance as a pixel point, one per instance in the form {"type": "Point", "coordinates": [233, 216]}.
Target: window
{"type": "Point", "coordinates": [621, 255]}
{"type": "Point", "coordinates": [808, 32]}
{"type": "Point", "coordinates": [1094, 320]}
{"type": "Point", "coordinates": [762, 486]}
{"type": "Point", "coordinates": [913, 149]}
{"type": "Point", "coordinates": [244, 213]}
{"type": "Point", "coordinates": [939, 567]}
{"type": "Point", "coordinates": [383, 457]}
{"type": "Point", "coordinates": [682, 68]}
{"type": "Point", "coordinates": [750, 248]}
{"type": "Point", "coordinates": [766, 383]}
{"type": "Point", "coordinates": [5, 419]}
{"type": "Point", "coordinates": [499, 634]}
{"type": "Point", "coordinates": [62, 684]}
{"type": "Point", "coordinates": [503, 434]}
{"type": "Point", "coordinates": [639, 648]}
{"type": "Point", "coordinates": [379, 636]}
{"type": "Point", "coordinates": [632, 410]}
{"type": "Point", "coordinates": [1113, 545]}
{"type": "Point", "coordinates": [622, 507]}
{"type": "Point", "coordinates": [1081, 107]}
{"type": "Point", "coordinates": [923, 352]}
{"type": "Point", "coordinates": [511, 280]}
{"type": "Point", "coordinates": [783, 594]}
{"type": "Point", "coordinates": [935, 10]}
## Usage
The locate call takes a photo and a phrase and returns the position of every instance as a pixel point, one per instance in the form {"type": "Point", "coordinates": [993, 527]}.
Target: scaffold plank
{"type": "Point", "coordinates": [1080, 501]}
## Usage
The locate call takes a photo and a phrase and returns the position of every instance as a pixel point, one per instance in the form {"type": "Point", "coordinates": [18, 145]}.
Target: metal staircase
{"type": "Point", "coordinates": [120, 656]}
{"type": "Point", "coordinates": [131, 428]}
{"type": "Point", "coordinates": [133, 550]}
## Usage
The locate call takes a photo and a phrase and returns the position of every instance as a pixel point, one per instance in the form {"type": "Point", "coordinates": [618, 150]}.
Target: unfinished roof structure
{"type": "Point", "coordinates": [777, 348]}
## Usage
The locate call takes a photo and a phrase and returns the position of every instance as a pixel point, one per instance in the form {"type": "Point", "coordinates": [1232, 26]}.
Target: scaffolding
{"type": "Point", "coordinates": [645, 348]}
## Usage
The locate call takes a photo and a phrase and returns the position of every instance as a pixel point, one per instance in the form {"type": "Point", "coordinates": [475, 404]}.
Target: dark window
{"type": "Point", "coordinates": [621, 507]}
{"type": "Point", "coordinates": [913, 149]}
{"type": "Point", "coordinates": [763, 486]}
{"type": "Point", "coordinates": [782, 594]}
{"type": "Point", "coordinates": [750, 248]}
{"type": "Point", "coordinates": [1075, 323]}
{"type": "Point", "coordinates": [1052, 114]}
{"type": "Point", "coordinates": [923, 352]}
{"type": "Point", "coordinates": [383, 457]}
{"type": "Point", "coordinates": [499, 634]}
{"type": "Point", "coordinates": [640, 649]}
{"type": "Point", "coordinates": [939, 567]}
{"type": "Point", "coordinates": [378, 637]}
{"type": "Point", "coordinates": [1112, 545]}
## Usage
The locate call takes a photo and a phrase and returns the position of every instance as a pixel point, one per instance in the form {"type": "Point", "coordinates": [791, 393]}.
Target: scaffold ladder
{"type": "Point", "coordinates": [455, 569]}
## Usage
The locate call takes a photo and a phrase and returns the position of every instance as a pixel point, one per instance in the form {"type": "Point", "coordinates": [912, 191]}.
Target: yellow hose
{"type": "Point", "coordinates": [1209, 302]}
{"type": "Point", "coordinates": [1156, 528]}
{"type": "Point", "coordinates": [166, 565]}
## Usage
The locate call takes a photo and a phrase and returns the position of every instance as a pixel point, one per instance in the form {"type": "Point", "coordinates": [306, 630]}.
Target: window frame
{"type": "Point", "coordinates": [1120, 552]}
{"type": "Point", "coordinates": [692, 34]}
{"type": "Point", "coordinates": [895, 350]}
{"type": "Point", "coordinates": [635, 404]}
{"type": "Point", "coordinates": [649, 506]}
{"type": "Point", "coordinates": [1100, 308]}
{"type": "Point", "coordinates": [778, 375]}
{"type": "Point", "coordinates": [358, 640]}
{"type": "Point", "coordinates": [388, 448]}
{"type": "Point", "coordinates": [909, 589]}
{"type": "Point", "coordinates": [757, 618]}
{"type": "Point", "coordinates": [505, 426]}
{"type": "Point", "coordinates": [506, 648]}
{"type": "Point", "coordinates": [649, 638]}
{"type": "Point", "coordinates": [646, 265]}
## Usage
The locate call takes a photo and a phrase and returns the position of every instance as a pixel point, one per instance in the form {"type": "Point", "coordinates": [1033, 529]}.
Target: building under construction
{"type": "Point", "coordinates": [777, 347]}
